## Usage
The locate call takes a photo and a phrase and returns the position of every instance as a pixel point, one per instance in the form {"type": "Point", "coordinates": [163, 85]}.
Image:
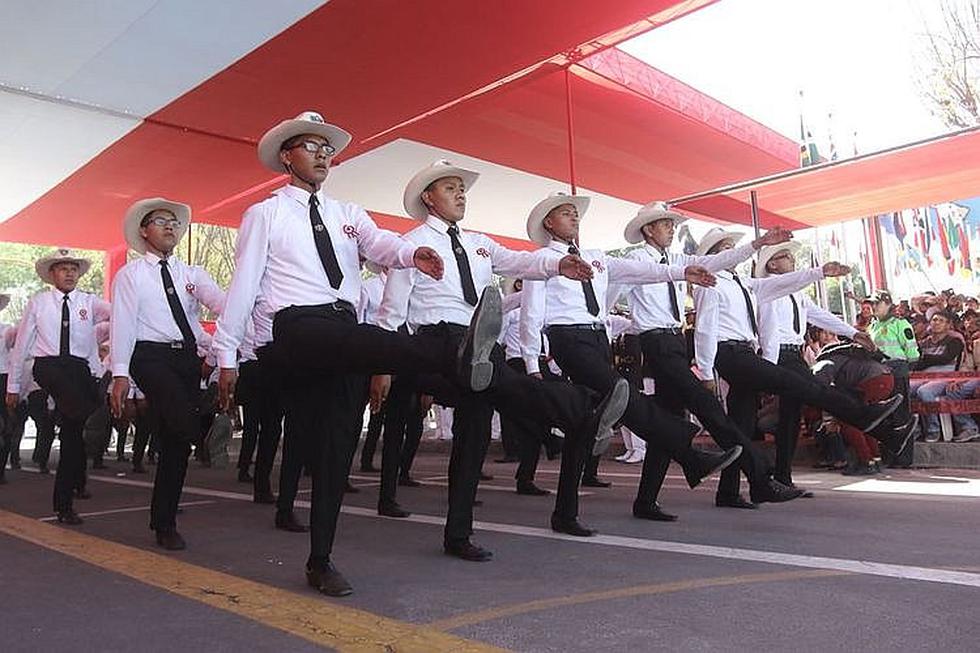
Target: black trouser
{"type": "Point", "coordinates": [528, 442]}
{"type": "Point", "coordinates": [666, 356]}
{"type": "Point", "coordinates": [585, 356]}
{"type": "Point", "coordinates": [790, 410]}
{"type": "Point", "coordinates": [69, 381]}
{"type": "Point", "coordinates": [413, 436]}
{"type": "Point", "coordinates": [519, 396]}
{"type": "Point", "coordinates": [16, 421]}
{"type": "Point", "coordinates": [246, 391]}
{"type": "Point", "coordinates": [397, 411]}
{"type": "Point", "coordinates": [146, 424]}
{"type": "Point", "coordinates": [121, 425]}
{"type": "Point", "coordinates": [6, 426]}
{"type": "Point", "coordinates": [375, 422]}
{"type": "Point", "coordinates": [37, 410]}
{"type": "Point", "coordinates": [171, 380]}
{"type": "Point", "coordinates": [291, 467]}
{"type": "Point", "coordinates": [748, 374]}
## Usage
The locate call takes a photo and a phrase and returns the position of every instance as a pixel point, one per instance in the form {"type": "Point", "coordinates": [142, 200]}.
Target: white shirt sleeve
{"type": "Point", "coordinates": [101, 310]}
{"type": "Point", "coordinates": [722, 260]}
{"type": "Point", "coordinates": [393, 311]}
{"type": "Point", "coordinates": [532, 322]}
{"type": "Point", "coordinates": [826, 320]}
{"type": "Point", "coordinates": [706, 302]}
{"type": "Point", "coordinates": [779, 285]}
{"type": "Point", "coordinates": [26, 335]}
{"type": "Point", "coordinates": [380, 245]}
{"type": "Point", "coordinates": [207, 291]}
{"type": "Point", "coordinates": [511, 302]}
{"type": "Point", "coordinates": [638, 272]}
{"type": "Point", "coordinates": [122, 326]}
{"type": "Point", "coordinates": [251, 251]}
{"type": "Point", "coordinates": [524, 265]}
{"type": "Point", "coordinates": [768, 323]}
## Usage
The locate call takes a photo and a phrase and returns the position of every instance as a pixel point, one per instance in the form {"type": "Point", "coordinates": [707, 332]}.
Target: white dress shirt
{"type": "Point", "coordinates": [650, 303]}
{"type": "Point", "coordinates": [372, 291]}
{"type": "Point", "coordinates": [776, 323]}
{"type": "Point", "coordinates": [510, 334]}
{"type": "Point", "coordinates": [140, 310]}
{"type": "Point", "coordinates": [418, 299]}
{"type": "Point", "coordinates": [39, 332]}
{"type": "Point", "coordinates": [723, 315]}
{"type": "Point", "coordinates": [562, 301]}
{"type": "Point", "coordinates": [277, 264]}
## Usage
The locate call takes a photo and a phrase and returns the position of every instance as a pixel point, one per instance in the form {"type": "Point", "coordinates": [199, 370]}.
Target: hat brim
{"type": "Point", "coordinates": [135, 214]}
{"type": "Point", "coordinates": [273, 139]}
{"type": "Point", "coordinates": [535, 220]}
{"type": "Point", "coordinates": [713, 238]}
{"type": "Point", "coordinates": [412, 199]}
{"type": "Point", "coordinates": [43, 266]}
{"type": "Point", "coordinates": [765, 256]}
{"type": "Point", "coordinates": [633, 233]}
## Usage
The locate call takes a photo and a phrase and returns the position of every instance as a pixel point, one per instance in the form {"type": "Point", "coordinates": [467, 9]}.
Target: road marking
{"type": "Point", "coordinates": [318, 620]}
{"type": "Point", "coordinates": [539, 605]}
{"type": "Point", "coordinates": [866, 567]}
{"type": "Point", "coordinates": [133, 509]}
{"type": "Point", "coordinates": [945, 486]}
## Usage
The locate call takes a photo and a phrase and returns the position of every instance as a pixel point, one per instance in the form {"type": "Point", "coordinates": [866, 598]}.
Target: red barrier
{"type": "Point", "coordinates": [949, 406]}
{"type": "Point", "coordinates": [944, 376]}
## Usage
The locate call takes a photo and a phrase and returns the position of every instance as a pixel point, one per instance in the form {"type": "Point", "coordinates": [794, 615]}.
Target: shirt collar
{"type": "Point", "coordinates": [559, 246]}
{"type": "Point", "coordinates": [301, 195]}
{"type": "Point", "coordinates": [655, 252]}
{"type": "Point", "coordinates": [439, 225]}
{"type": "Point", "coordinates": [71, 296]}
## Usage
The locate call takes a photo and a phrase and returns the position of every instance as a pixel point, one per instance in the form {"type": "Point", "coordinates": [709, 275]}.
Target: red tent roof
{"type": "Point", "coordinates": [927, 172]}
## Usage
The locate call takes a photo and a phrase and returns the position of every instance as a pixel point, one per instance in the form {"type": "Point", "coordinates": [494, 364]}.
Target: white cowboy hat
{"type": "Point", "coordinates": [769, 251]}
{"type": "Point", "coordinates": [139, 210]}
{"type": "Point", "coordinates": [715, 236]}
{"type": "Point", "coordinates": [648, 213]}
{"type": "Point", "coordinates": [60, 255]}
{"type": "Point", "coordinates": [308, 122]}
{"type": "Point", "coordinates": [412, 200]}
{"type": "Point", "coordinates": [535, 221]}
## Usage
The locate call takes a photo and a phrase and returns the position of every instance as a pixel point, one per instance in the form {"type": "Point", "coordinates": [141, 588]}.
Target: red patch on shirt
{"type": "Point", "coordinates": [350, 231]}
{"type": "Point", "coordinates": [190, 288]}
{"type": "Point", "coordinates": [599, 266]}
{"type": "Point", "coordinates": [483, 252]}
{"type": "Point", "coordinates": [82, 314]}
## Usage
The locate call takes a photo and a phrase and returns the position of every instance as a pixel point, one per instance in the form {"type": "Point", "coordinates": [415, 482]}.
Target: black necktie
{"type": "Point", "coordinates": [176, 308]}
{"type": "Point", "coordinates": [590, 301]}
{"type": "Point", "coordinates": [796, 315]}
{"type": "Point", "coordinates": [748, 304]}
{"type": "Point", "coordinates": [463, 263]}
{"type": "Point", "coordinates": [64, 346]}
{"type": "Point", "coordinates": [324, 246]}
{"type": "Point", "coordinates": [675, 308]}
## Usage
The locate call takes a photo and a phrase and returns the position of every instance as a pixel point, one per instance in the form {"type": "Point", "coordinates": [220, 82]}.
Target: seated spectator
{"type": "Point", "coordinates": [940, 352]}
{"type": "Point", "coordinates": [966, 425]}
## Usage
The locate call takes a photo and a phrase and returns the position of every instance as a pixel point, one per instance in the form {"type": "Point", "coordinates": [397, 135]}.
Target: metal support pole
{"type": "Point", "coordinates": [571, 131]}
{"type": "Point", "coordinates": [755, 213]}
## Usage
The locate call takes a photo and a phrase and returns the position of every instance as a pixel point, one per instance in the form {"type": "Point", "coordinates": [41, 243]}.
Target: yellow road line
{"type": "Point", "coordinates": [514, 609]}
{"type": "Point", "coordinates": [311, 617]}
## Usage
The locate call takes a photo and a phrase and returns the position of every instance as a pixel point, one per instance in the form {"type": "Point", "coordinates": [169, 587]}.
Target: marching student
{"type": "Point", "coordinates": [155, 332]}
{"type": "Point", "coordinates": [58, 331]}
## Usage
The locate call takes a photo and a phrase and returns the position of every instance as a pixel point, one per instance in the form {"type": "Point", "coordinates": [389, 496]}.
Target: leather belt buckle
{"type": "Point", "coordinates": [176, 344]}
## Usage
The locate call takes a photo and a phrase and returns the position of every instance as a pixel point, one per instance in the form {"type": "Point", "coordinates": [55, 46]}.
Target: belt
{"type": "Point", "coordinates": [173, 344]}
{"type": "Point", "coordinates": [674, 331]}
{"type": "Point", "coordinates": [745, 344]}
{"type": "Point", "coordinates": [796, 349]}
{"type": "Point", "coordinates": [592, 326]}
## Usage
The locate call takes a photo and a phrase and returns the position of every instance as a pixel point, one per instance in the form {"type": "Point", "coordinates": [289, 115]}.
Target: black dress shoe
{"type": "Point", "coordinates": [477, 503]}
{"type": "Point", "coordinates": [552, 454]}
{"type": "Point", "coordinates": [392, 509]}
{"type": "Point", "coordinates": [531, 490]}
{"type": "Point", "coordinates": [507, 459]}
{"type": "Point", "coordinates": [466, 550]}
{"type": "Point", "coordinates": [369, 469]}
{"type": "Point", "coordinates": [473, 362]}
{"type": "Point", "coordinates": [734, 502]}
{"type": "Point", "coordinates": [264, 497]}
{"type": "Point", "coordinates": [82, 494]}
{"type": "Point", "coordinates": [171, 541]}
{"type": "Point", "coordinates": [408, 481]}
{"type": "Point", "coordinates": [327, 580]}
{"type": "Point", "coordinates": [138, 468]}
{"type": "Point", "coordinates": [652, 511]}
{"type": "Point", "coordinates": [486, 477]}
{"type": "Point", "coordinates": [43, 469]}
{"type": "Point", "coordinates": [15, 463]}
{"type": "Point", "coordinates": [122, 459]}
{"type": "Point", "coordinates": [807, 494]}
{"type": "Point", "coordinates": [699, 465]}
{"type": "Point", "coordinates": [69, 517]}
{"type": "Point", "coordinates": [571, 527]}
{"type": "Point", "coordinates": [606, 414]}
{"type": "Point", "coordinates": [774, 492]}
{"type": "Point", "coordinates": [350, 489]}
{"type": "Point", "coordinates": [593, 481]}
{"type": "Point", "coordinates": [287, 522]}
{"type": "Point", "coordinates": [244, 476]}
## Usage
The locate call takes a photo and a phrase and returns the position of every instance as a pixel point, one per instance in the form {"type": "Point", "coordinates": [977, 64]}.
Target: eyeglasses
{"type": "Point", "coordinates": [315, 148]}
{"type": "Point", "coordinates": [162, 222]}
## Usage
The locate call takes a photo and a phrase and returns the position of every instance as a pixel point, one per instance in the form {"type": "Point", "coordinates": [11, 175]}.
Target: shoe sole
{"type": "Point", "coordinates": [896, 402]}
{"type": "Point", "coordinates": [485, 329]}
{"type": "Point", "coordinates": [728, 460]}
{"type": "Point", "coordinates": [614, 406]}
